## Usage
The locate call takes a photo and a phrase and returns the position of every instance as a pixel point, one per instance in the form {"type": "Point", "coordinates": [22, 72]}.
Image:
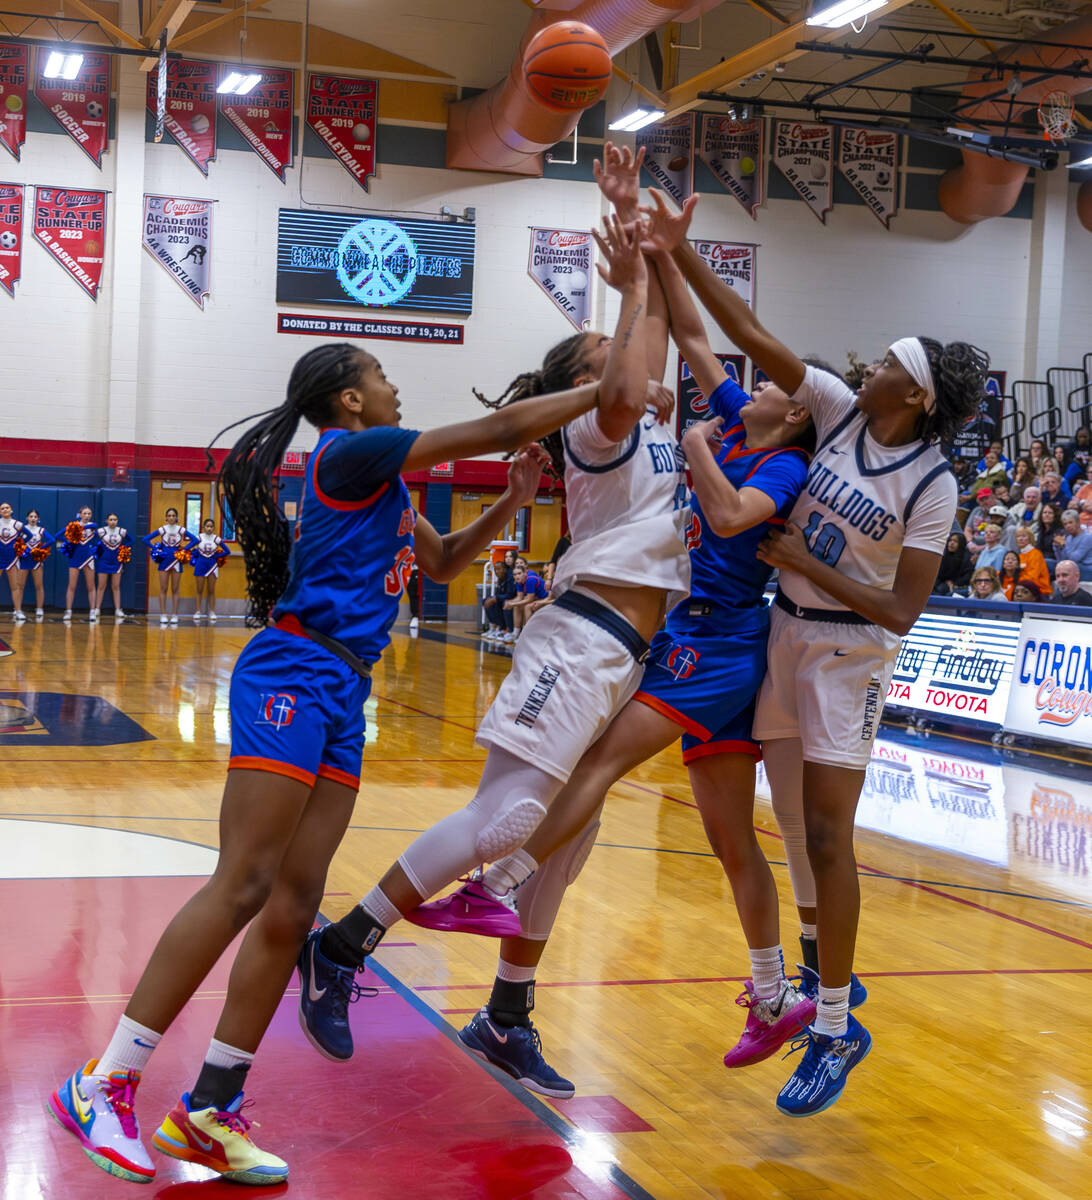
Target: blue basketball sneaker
{"type": "Point", "coordinates": [516, 1050]}
{"type": "Point", "coordinates": [326, 991]}
{"type": "Point", "coordinates": [809, 985]}
{"type": "Point", "coordinates": [821, 1075]}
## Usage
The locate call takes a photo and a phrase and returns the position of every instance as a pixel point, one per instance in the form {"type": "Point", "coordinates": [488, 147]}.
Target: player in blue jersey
{"type": "Point", "coordinates": [296, 705]}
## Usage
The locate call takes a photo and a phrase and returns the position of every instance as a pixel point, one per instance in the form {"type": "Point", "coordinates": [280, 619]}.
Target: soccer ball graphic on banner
{"type": "Point", "coordinates": [94, 110]}
{"type": "Point", "coordinates": [8, 240]}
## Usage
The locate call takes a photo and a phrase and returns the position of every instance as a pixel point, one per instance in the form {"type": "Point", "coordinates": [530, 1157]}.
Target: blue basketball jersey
{"type": "Point", "coordinates": [354, 541]}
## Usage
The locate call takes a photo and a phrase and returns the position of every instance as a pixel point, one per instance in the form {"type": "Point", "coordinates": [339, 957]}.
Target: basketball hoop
{"type": "Point", "coordinates": [1056, 112]}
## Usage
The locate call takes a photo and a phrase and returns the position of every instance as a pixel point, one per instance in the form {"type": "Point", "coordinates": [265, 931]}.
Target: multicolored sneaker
{"type": "Point", "coordinates": [821, 1076]}
{"type": "Point", "coordinates": [99, 1111]}
{"type": "Point", "coordinates": [516, 1050]}
{"type": "Point", "coordinates": [220, 1140]}
{"type": "Point", "coordinates": [771, 1021]}
{"type": "Point", "coordinates": [326, 991]}
{"type": "Point", "coordinates": [809, 985]}
{"type": "Point", "coordinates": [472, 909]}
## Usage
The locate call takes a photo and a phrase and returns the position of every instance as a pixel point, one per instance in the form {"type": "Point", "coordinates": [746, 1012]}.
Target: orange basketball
{"type": "Point", "coordinates": [567, 65]}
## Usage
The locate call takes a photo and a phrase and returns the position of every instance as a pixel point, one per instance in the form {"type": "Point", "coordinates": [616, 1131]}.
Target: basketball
{"type": "Point", "coordinates": [567, 66]}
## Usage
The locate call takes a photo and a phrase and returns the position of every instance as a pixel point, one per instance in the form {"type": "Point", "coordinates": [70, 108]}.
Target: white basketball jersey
{"type": "Point", "coordinates": [628, 508]}
{"type": "Point", "coordinates": [863, 502]}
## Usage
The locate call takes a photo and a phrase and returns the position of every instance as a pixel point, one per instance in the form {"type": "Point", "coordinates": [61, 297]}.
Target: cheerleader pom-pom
{"type": "Point", "coordinates": [124, 555]}
{"type": "Point", "coordinates": [183, 556]}
{"type": "Point", "coordinates": [40, 553]}
{"type": "Point", "coordinates": [73, 533]}
{"type": "Point", "coordinates": [20, 547]}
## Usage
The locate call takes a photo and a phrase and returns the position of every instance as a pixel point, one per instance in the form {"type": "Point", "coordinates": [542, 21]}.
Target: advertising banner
{"type": "Point", "coordinates": [560, 262]}
{"type": "Point", "coordinates": [14, 68]}
{"type": "Point", "coordinates": [733, 152]}
{"type": "Point", "coordinates": [178, 235]}
{"type": "Point", "coordinates": [1050, 830]}
{"type": "Point", "coordinates": [80, 106]}
{"type": "Point", "coordinates": [355, 327]}
{"type": "Point", "coordinates": [11, 235]}
{"type": "Point", "coordinates": [264, 115]}
{"type": "Point", "coordinates": [191, 107]}
{"type": "Point", "coordinates": [804, 153]}
{"type": "Point", "coordinates": [71, 225]}
{"type": "Point", "coordinates": [1051, 694]}
{"type": "Point", "coordinates": [342, 112]}
{"type": "Point", "coordinates": [732, 262]}
{"type": "Point", "coordinates": [669, 155]}
{"type": "Point", "coordinates": [691, 405]}
{"type": "Point", "coordinates": [869, 159]}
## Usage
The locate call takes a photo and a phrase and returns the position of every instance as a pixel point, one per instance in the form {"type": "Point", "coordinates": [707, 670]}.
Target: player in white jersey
{"type": "Point", "coordinates": [858, 560]}
{"type": "Point", "coordinates": [578, 661]}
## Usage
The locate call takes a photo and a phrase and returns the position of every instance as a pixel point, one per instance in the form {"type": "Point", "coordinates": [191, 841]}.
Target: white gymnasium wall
{"type": "Point", "coordinates": [1076, 331]}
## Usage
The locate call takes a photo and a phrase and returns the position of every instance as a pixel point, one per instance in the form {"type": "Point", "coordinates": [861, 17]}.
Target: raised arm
{"type": "Point", "coordinates": [729, 511]}
{"type": "Point", "coordinates": [687, 327]}
{"type": "Point", "coordinates": [622, 388]}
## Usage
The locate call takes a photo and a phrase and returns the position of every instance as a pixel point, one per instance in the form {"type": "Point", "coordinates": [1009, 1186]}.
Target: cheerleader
{"type": "Point", "coordinates": [113, 553]}
{"type": "Point", "coordinates": [37, 542]}
{"type": "Point", "coordinates": [172, 539]}
{"type": "Point", "coordinates": [77, 540]}
{"type": "Point", "coordinates": [208, 554]}
{"type": "Point", "coordinates": [11, 547]}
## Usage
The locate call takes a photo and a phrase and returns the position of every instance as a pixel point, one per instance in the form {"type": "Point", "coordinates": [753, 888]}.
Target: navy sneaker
{"type": "Point", "coordinates": [516, 1050]}
{"type": "Point", "coordinates": [326, 991]}
{"type": "Point", "coordinates": [809, 985]}
{"type": "Point", "coordinates": [821, 1075]}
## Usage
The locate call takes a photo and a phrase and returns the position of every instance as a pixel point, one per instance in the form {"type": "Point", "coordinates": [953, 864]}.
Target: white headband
{"type": "Point", "coordinates": [911, 353]}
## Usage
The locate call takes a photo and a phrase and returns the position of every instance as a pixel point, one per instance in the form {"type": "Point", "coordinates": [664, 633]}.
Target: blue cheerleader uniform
{"type": "Point", "coordinates": [207, 554]}
{"type": "Point", "coordinates": [34, 536]}
{"type": "Point", "coordinates": [9, 535]}
{"type": "Point", "coordinates": [80, 554]}
{"type": "Point", "coordinates": [171, 539]}
{"type": "Point", "coordinates": [110, 542]}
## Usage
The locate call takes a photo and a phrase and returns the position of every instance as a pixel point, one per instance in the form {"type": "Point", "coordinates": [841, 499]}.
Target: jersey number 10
{"type": "Point", "coordinates": [826, 542]}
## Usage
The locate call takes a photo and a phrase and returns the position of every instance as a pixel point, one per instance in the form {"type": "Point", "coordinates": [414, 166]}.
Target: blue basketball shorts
{"type": "Point", "coordinates": [296, 710]}
{"type": "Point", "coordinates": [706, 682]}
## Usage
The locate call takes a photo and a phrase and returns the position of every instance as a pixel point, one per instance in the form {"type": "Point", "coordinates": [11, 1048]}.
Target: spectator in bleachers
{"type": "Point", "coordinates": [1032, 563]}
{"type": "Point", "coordinates": [999, 514]}
{"type": "Point", "coordinates": [992, 551]}
{"type": "Point", "coordinates": [1002, 493]}
{"type": "Point", "coordinates": [1052, 487]}
{"type": "Point", "coordinates": [998, 450]}
{"type": "Point", "coordinates": [1036, 454]}
{"type": "Point", "coordinates": [991, 471]}
{"type": "Point", "coordinates": [985, 585]}
{"type": "Point", "coordinates": [498, 617]}
{"type": "Point", "coordinates": [1022, 474]}
{"type": "Point", "coordinates": [1026, 512]}
{"type": "Point", "coordinates": [1009, 574]}
{"type": "Point", "coordinates": [1025, 592]}
{"type": "Point", "coordinates": [1050, 523]}
{"type": "Point", "coordinates": [1075, 544]}
{"type": "Point", "coordinates": [1067, 585]}
{"type": "Point", "coordinates": [954, 575]}
{"type": "Point", "coordinates": [975, 528]}
{"type": "Point", "coordinates": [1078, 458]}
{"type": "Point", "coordinates": [1082, 488]}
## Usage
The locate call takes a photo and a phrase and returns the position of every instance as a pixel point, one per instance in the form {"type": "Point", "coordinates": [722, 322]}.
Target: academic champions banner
{"type": "Point", "coordinates": [81, 105]}
{"type": "Point", "coordinates": [669, 155]}
{"type": "Point", "coordinates": [178, 235]}
{"type": "Point", "coordinates": [191, 107]}
{"type": "Point", "coordinates": [264, 116]}
{"type": "Point", "coordinates": [560, 262]}
{"type": "Point", "coordinates": [71, 226]}
{"type": "Point", "coordinates": [733, 152]}
{"type": "Point", "coordinates": [869, 159]}
{"type": "Point", "coordinates": [804, 153]}
{"type": "Point", "coordinates": [11, 235]}
{"type": "Point", "coordinates": [14, 69]}
{"type": "Point", "coordinates": [342, 113]}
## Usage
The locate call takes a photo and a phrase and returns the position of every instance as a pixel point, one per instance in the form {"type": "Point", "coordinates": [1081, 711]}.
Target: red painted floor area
{"type": "Point", "coordinates": [412, 1117]}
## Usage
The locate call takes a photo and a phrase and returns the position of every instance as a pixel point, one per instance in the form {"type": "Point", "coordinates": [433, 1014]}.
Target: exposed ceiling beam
{"type": "Point", "coordinates": [108, 27]}
{"type": "Point", "coordinates": [769, 11]}
{"type": "Point", "coordinates": [671, 54]}
{"type": "Point", "coordinates": [965, 25]}
{"type": "Point", "coordinates": [654, 97]}
{"type": "Point", "coordinates": [167, 19]}
{"type": "Point", "coordinates": [238, 11]}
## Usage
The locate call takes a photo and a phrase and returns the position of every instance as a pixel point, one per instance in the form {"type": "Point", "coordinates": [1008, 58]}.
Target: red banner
{"type": "Point", "coordinates": [11, 235]}
{"type": "Point", "coordinates": [14, 67]}
{"type": "Point", "coordinates": [342, 112]}
{"type": "Point", "coordinates": [81, 106]}
{"type": "Point", "coordinates": [191, 107]}
{"type": "Point", "coordinates": [71, 225]}
{"type": "Point", "coordinates": [264, 115]}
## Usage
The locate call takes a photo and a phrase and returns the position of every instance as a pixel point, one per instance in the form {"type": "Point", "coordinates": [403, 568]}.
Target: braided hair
{"type": "Point", "coordinates": [561, 366]}
{"type": "Point", "coordinates": [959, 376]}
{"type": "Point", "coordinates": [247, 488]}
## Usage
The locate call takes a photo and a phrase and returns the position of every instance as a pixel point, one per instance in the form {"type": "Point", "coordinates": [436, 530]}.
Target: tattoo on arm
{"type": "Point", "coordinates": [638, 310]}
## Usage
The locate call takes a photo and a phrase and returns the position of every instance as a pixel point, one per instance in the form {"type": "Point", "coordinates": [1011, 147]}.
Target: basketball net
{"type": "Point", "coordinates": [1056, 112]}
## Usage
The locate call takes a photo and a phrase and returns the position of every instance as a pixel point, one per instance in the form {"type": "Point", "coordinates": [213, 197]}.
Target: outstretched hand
{"type": "Point", "coordinates": [786, 549]}
{"type": "Point", "coordinates": [664, 228]}
{"type": "Point", "coordinates": [706, 432]}
{"type": "Point", "coordinates": [621, 248]}
{"type": "Point", "coordinates": [660, 398]}
{"type": "Point", "coordinates": [525, 473]}
{"type": "Point", "coordinates": [618, 176]}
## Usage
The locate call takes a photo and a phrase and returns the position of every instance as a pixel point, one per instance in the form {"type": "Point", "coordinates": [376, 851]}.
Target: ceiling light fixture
{"type": "Point", "coordinates": [238, 84]}
{"type": "Point", "coordinates": [844, 12]}
{"type": "Point", "coordinates": [1084, 162]}
{"type": "Point", "coordinates": [637, 119]}
{"type": "Point", "coordinates": [62, 66]}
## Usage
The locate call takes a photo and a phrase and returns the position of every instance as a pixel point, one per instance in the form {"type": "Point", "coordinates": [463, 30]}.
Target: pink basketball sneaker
{"type": "Point", "coordinates": [771, 1021]}
{"type": "Point", "coordinates": [472, 909]}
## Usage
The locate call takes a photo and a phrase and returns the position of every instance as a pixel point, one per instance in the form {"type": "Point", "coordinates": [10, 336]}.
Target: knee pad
{"type": "Point", "coordinates": [508, 830]}
{"type": "Point", "coordinates": [575, 855]}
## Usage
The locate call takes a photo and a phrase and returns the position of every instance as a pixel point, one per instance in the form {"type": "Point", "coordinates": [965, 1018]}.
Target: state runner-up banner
{"type": "Point", "coordinates": [669, 155]}
{"type": "Point", "coordinates": [178, 235]}
{"type": "Point", "coordinates": [81, 105]}
{"type": "Point", "coordinates": [14, 68]}
{"type": "Point", "coordinates": [560, 262]}
{"type": "Point", "coordinates": [732, 150]}
{"type": "Point", "coordinates": [804, 154]}
{"type": "Point", "coordinates": [71, 226]}
{"type": "Point", "coordinates": [1051, 693]}
{"type": "Point", "coordinates": [734, 263]}
{"type": "Point", "coordinates": [869, 159]}
{"type": "Point", "coordinates": [692, 404]}
{"type": "Point", "coordinates": [11, 235]}
{"type": "Point", "coordinates": [264, 116]}
{"type": "Point", "coordinates": [191, 107]}
{"type": "Point", "coordinates": [342, 112]}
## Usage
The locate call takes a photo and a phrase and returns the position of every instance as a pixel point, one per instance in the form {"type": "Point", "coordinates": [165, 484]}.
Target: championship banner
{"type": "Point", "coordinates": [1051, 695]}
{"type": "Point", "coordinates": [692, 405]}
{"type": "Point", "coordinates": [869, 159]}
{"type": "Point", "coordinates": [14, 68]}
{"type": "Point", "coordinates": [191, 107]}
{"type": "Point", "coordinates": [804, 154]}
{"type": "Point", "coordinates": [732, 262]}
{"type": "Point", "coordinates": [732, 150]}
{"type": "Point", "coordinates": [560, 262]}
{"type": "Point", "coordinates": [264, 115]}
{"type": "Point", "coordinates": [342, 112]}
{"type": "Point", "coordinates": [80, 106]}
{"type": "Point", "coordinates": [11, 235]}
{"type": "Point", "coordinates": [72, 227]}
{"type": "Point", "coordinates": [178, 235]}
{"type": "Point", "coordinates": [669, 155]}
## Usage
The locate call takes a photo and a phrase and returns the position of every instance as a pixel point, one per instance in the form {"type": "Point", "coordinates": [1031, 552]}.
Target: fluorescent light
{"type": "Point", "coordinates": [844, 12]}
{"type": "Point", "coordinates": [62, 66]}
{"type": "Point", "coordinates": [639, 118]}
{"type": "Point", "coordinates": [238, 84]}
{"type": "Point", "coordinates": [1084, 162]}
{"type": "Point", "coordinates": [72, 65]}
{"type": "Point", "coordinates": [250, 82]}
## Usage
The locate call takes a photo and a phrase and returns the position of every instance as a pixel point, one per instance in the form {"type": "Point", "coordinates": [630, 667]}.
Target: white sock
{"type": "Point", "coordinates": [832, 1011]}
{"type": "Point", "coordinates": [810, 932]}
{"type": "Point", "coordinates": [129, 1049]}
{"type": "Point", "coordinates": [510, 973]}
{"type": "Point", "coordinates": [220, 1054]}
{"type": "Point", "coordinates": [767, 970]}
{"type": "Point", "coordinates": [376, 905]}
{"type": "Point", "coordinates": [509, 872]}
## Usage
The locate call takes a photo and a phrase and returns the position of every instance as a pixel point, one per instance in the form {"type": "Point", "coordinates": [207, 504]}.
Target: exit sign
{"type": "Point", "coordinates": [444, 468]}
{"type": "Point", "coordinates": [294, 460]}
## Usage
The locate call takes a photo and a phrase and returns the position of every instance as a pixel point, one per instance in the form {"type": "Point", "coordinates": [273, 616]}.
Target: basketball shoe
{"type": "Point", "coordinates": [326, 991]}
{"type": "Point", "coordinates": [516, 1050]}
{"type": "Point", "coordinates": [809, 985]}
{"type": "Point", "coordinates": [472, 909]}
{"type": "Point", "coordinates": [820, 1077]}
{"type": "Point", "coordinates": [220, 1140]}
{"type": "Point", "coordinates": [771, 1021]}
